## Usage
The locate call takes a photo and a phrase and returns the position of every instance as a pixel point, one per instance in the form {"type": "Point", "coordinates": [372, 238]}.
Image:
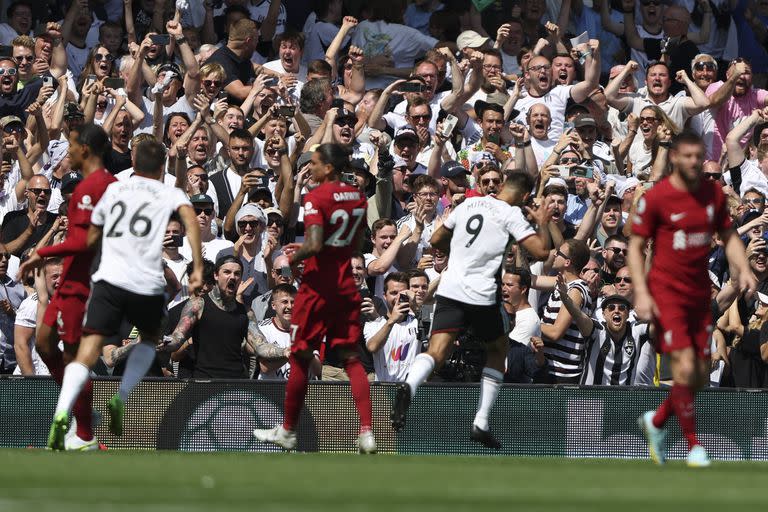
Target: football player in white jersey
{"type": "Point", "coordinates": [476, 233]}
{"type": "Point", "coordinates": [130, 221]}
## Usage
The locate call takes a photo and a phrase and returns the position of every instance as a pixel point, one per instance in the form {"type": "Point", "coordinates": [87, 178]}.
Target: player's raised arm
{"type": "Point", "coordinates": [583, 321]}
{"type": "Point", "coordinates": [189, 220]}
{"type": "Point", "coordinates": [441, 239]}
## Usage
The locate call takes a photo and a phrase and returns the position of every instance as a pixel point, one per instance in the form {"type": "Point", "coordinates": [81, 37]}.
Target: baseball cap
{"type": "Point", "coordinates": [69, 181]}
{"type": "Point", "coordinates": [616, 299]}
{"type": "Point", "coordinates": [170, 66]}
{"type": "Point", "coordinates": [201, 199]}
{"type": "Point", "coordinates": [470, 39]}
{"type": "Point", "coordinates": [273, 210]}
{"type": "Point", "coordinates": [9, 120]}
{"type": "Point", "coordinates": [72, 109]}
{"type": "Point", "coordinates": [343, 113]}
{"type": "Point", "coordinates": [358, 164]}
{"type": "Point", "coordinates": [451, 169]}
{"type": "Point", "coordinates": [406, 131]}
{"type": "Point", "coordinates": [485, 156]}
{"type": "Point", "coordinates": [584, 120]}
{"type": "Point", "coordinates": [304, 159]}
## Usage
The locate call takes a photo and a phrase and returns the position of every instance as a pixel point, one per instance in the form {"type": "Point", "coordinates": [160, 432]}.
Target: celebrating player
{"type": "Point", "coordinates": [64, 315]}
{"type": "Point", "coordinates": [468, 296]}
{"type": "Point", "coordinates": [129, 283]}
{"type": "Point", "coordinates": [681, 214]}
{"type": "Point", "coordinates": [328, 303]}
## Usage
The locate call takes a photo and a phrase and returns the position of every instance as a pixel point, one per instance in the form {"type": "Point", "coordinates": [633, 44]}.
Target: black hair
{"type": "Point", "coordinates": [524, 274]}
{"type": "Point", "coordinates": [208, 269]}
{"type": "Point", "coordinates": [519, 181]}
{"type": "Point", "coordinates": [182, 115]}
{"type": "Point", "coordinates": [12, 8]}
{"type": "Point", "coordinates": [333, 154]}
{"type": "Point", "coordinates": [398, 277]}
{"type": "Point", "coordinates": [416, 272]}
{"type": "Point", "coordinates": [150, 158]}
{"type": "Point", "coordinates": [227, 259]}
{"type": "Point", "coordinates": [95, 138]}
{"type": "Point", "coordinates": [242, 134]}
{"type": "Point", "coordinates": [618, 237]}
{"type": "Point", "coordinates": [284, 288]}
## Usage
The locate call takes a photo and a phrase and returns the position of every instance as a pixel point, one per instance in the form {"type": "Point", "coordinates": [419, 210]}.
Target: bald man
{"type": "Point", "coordinates": [22, 229]}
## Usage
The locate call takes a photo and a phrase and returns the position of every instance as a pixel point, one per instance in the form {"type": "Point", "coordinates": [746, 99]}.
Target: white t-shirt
{"type": "Point", "coordinates": [179, 268]}
{"type": "Point", "coordinates": [527, 324]}
{"type": "Point", "coordinates": [378, 289]}
{"type": "Point", "coordinates": [674, 107]}
{"type": "Point", "coordinates": [148, 106]}
{"type": "Point", "coordinates": [404, 44]}
{"type": "Point", "coordinates": [542, 149]}
{"type": "Point", "coordinates": [751, 177]}
{"type": "Point", "coordinates": [260, 10]}
{"type": "Point", "coordinates": [392, 361]}
{"type": "Point", "coordinates": [301, 76]}
{"type": "Point", "coordinates": [318, 37]}
{"type": "Point", "coordinates": [26, 316]}
{"type": "Point", "coordinates": [556, 100]}
{"type": "Point", "coordinates": [134, 214]}
{"type": "Point", "coordinates": [481, 228]}
{"type": "Point", "coordinates": [212, 250]}
{"type": "Point", "coordinates": [275, 335]}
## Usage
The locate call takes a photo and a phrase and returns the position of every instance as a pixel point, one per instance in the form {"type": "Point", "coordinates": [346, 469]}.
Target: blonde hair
{"type": "Point", "coordinates": [213, 68]}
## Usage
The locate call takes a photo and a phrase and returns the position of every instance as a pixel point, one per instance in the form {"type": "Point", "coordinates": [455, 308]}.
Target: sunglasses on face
{"type": "Point", "coordinates": [243, 223]}
{"type": "Point", "coordinates": [570, 160]}
{"type": "Point", "coordinates": [712, 175]}
{"type": "Point", "coordinates": [627, 280]}
{"type": "Point", "coordinates": [616, 307]}
{"type": "Point", "coordinates": [754, 200]}
{"type": "Point", "coordinates": [207, 211]}
{"type": "Point", "coordinates": [101, 56]}
{"type": "Point", "coordinates": [38, 191]}
{"type": "Point", "coordinates": [101, 104]}
{"type": "Point", "coordinates": [274, 220]}
{"type": "Point", "coordinates": [421, 117]}
{"type": "Point", "coordinates": [7, 71]}
{"type": "Point", "coordinates": [651, 119]}
{"type": "Point", "coordinates": [201, 177]}
{"type": "Point", "coordinates": [30, 58]}
{"type": "Point", "coordinates": [617, 250]}
{"type": "Point", "coordinates": [704, 65]}
{"type": "Point", "coordinates": [562, 254]}
{"type": "Point", "coordinates": [13, 129]}
{"type": "Point", "coordinates": [212, 83]}
{"type": "Point", "coordinates": [346, 121]}
{"type": "Point", "coordinates": [488, 181]}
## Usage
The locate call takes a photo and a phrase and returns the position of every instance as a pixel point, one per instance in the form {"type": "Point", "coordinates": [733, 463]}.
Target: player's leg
{"type": "Point", "coordinates": [46, 343]}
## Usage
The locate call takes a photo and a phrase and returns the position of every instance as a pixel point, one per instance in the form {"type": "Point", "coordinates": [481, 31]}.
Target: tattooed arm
{"type": "Point", "coordinates": [256, 344]}
{"type": "Point", "coordinates": [191, 313]}
{"type": "Point", "coordinates": [113, 354]}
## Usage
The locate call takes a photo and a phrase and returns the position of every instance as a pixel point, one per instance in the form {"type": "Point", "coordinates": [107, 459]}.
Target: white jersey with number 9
{"type": "Point", "coordinates": [481, 229]}
{"type": "Point", "coordinates": [133, 215]}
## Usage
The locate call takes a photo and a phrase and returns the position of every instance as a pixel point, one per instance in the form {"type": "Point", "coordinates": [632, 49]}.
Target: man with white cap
{"type": "Point", "coordinates": [250, 222]}
{"type": "Point", "coordinates": [470, 41]}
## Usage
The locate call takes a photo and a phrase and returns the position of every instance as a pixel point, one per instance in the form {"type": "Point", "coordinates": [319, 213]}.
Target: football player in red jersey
{"type": "Point", "coordinates": [681, 214]}
{"type": "Point", "coordinates": [328, 303]}
{"type": "Point", "coordinates": [64, 315]}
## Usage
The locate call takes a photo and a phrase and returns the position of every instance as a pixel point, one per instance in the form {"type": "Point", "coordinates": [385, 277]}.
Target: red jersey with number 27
{"type": "Point", "coordinates": [76, 274]}
{"type": "Point", "coordinates": [682, 224]}
{"type": "Point", "coordinates": [340, 210]}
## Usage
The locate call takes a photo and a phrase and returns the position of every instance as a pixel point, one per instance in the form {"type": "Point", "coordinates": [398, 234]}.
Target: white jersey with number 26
{"type": "Point", "coordinates": [133, 215]}
{"type": "Point", "coordinates": [481, 228]}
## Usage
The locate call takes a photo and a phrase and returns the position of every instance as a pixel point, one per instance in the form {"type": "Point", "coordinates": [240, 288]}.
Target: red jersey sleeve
{"type": "Point", "coordinates": [314, 214]}
{"type": "Point", "coordinates": [80, 206]}
{"type": "Point", "coordinates": [645, 220]}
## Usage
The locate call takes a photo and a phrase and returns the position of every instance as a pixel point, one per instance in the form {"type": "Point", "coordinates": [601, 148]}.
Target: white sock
{"type": "Point", "coordinates": [139, 361]}
{"type": "Point", "coordinates": [420, 370]}
{"type": "Point", "coordinates": [75, 377]}
{"type": "Point", "coordinates": [489, 390]}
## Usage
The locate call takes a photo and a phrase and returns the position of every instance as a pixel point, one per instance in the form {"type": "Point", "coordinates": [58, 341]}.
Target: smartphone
{"type": "Point", "coordinates": [286, 111]}
{"type": "Point", "coordinates": [286, 272]}
{"type": "Point", "coordinates": [222, 95]}
{"type": "Point", "coordinates": [114, 83]}
{"type": "Point", "coordinates": [648, 185]}
{"type": "Point", "coordinates": [567, 126]}
{"type": "Point", "coordinates": [271, 81]}
{"type": "Point", "coordinates": [411, 87]}
{"type": "Point", "coordinates": [494, 138]}
{"type": "Point", "coordinates": [160, 39]}
{"type": "Point", "coordinates": [47, 80]}
{"type": "Point", "coordinates": [177, 240]}
{"type": "Point", "coordinates": [348, 178]}
{"type": "Point", "coordinates": [403, 297]}
{"type": "Point", "coordinates": [564, 170]}
{"type": "Point", "coordinates": [449, 123]}
{"type": "Point", "coordinates": [365, 293]}
{"type": "Point", "coordinates": [91, 79]}
{"type": "Point", "coordinates": [583, 171]}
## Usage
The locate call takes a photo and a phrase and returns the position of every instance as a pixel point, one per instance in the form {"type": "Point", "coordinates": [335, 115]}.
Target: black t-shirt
{"type": "Point", "coordinates": [116, 161]}
{"type": "Point", "coordinates": [16, 104]}
{"type": "Point", "coordinates": [235, 68]}
{"type": "Point", "coordinates": [16, 222]}
{"type": "Point", "coordinates": [117, 340]}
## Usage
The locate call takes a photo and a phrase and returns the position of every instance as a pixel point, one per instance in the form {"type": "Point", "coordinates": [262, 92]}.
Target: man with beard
{"type": "Point", "coordinates": [119, 157]}
{"type": "Point", "coordinates": [22, 229]}
{"type": "Point", "coordinates": [454, 183]}
{"type": "Point", "coordinates": [227, 183]}
{"type": "Point", "coordinates": [619, 352]}
{"type": "Point", "coordinates": [218, 325]}
{"type": "Point", "coordinates": [489, 179]}
{"type": "Point", "coordinates": [420, 222]}
{"type": "Point", "coordinates": [731, 100]}
{"type": "Point", "coordinates": [541, 88]}
{"type": "Point", "coordinates": [250, 223]}
{"type": "Point", "coordinates": [14, 101]}
{"type": "Point", "coordinates": [491, 116]}
{"type": "Point", "coordinates": [614, 258]}
{"type": "Point", "coordinates": [658, 81]}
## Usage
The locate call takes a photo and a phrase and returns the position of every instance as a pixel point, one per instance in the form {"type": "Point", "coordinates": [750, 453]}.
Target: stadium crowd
{"type": "Point", "coordinates": [436, 102]}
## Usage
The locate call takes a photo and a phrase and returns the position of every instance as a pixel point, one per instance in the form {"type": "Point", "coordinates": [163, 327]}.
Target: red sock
{"type": "Point", "coordinates": [295, 391]}
{"type": "Point", "coordinates": [361, 392]}
{"type": "Point", "coordinates": [682, 403]}
{"type": "Point", "coordinates": [83, 412]}
{"type": "Point", "coordinates": [55, 363]}
{"type": "Point", "coordinates": [663, 412]}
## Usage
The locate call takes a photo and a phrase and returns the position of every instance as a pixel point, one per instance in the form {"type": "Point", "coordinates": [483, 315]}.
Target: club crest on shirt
{"type": "Point", "coordinates": [629, 348]}
{"type": "Point", "coordinates": [85, 203]}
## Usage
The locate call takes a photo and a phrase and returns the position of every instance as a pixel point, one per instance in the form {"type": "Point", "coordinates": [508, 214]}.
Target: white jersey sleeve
{"type": "Point", "coordinates": [518, 226]}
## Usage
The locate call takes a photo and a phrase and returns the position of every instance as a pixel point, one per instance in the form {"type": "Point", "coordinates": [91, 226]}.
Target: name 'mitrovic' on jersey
{"type": "Point", "coordinates": [133, 215]}
{"type": "Point", "coordinates": [481, 229]}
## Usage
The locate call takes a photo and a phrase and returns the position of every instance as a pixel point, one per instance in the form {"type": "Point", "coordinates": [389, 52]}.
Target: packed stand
{"type": "Point", "coordinates": [435, 102]}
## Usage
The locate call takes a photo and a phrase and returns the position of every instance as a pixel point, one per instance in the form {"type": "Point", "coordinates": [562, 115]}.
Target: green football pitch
{"type": "Point", "coordinates": [35, 480]}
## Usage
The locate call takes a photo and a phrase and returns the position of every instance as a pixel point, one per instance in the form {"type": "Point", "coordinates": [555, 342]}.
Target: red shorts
{"type": "Point", "coordinates": [65, 313]}
{"type": "Point", "coordinates": [335, 317]}
{"type": "Point", "coordinates": [681, 325]}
